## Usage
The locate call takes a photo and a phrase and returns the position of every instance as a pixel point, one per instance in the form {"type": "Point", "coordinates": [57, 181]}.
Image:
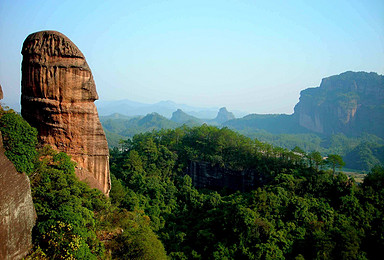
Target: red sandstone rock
{"type": "Point", "coordinates": [58, 94]}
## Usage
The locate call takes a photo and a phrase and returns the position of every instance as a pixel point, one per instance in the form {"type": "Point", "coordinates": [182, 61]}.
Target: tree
{"type": "Point", "coordinates": [316, 158]}
{"type": "Point", "coordinates": [65, 209]}
{"type": "Point", "coordinates": [335, 160]}
{"type": "Point", "coordinates": [20, 140]}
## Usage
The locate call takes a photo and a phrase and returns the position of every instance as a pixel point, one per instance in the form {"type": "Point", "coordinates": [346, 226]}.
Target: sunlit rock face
{"type": "Point", "coordinates": [17, 214]}
{"type": "Point", "coordinates": [58, 94]}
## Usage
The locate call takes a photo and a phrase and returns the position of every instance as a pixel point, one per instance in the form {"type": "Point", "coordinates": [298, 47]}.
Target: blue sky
{"type": "Point", "coordinates": [254, 56]}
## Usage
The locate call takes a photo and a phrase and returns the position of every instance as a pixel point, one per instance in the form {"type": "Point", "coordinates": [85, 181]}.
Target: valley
{"type": "Point", "coordinates": [344, 115]}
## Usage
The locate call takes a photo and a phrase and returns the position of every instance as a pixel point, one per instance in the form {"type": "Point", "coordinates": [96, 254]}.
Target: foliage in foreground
{"type": "Point", "coordinates": [19, 140]}
{"type": "Point", "coordinates": [73, 221]}
{"type": "Point", "coordinates": [296, 212]}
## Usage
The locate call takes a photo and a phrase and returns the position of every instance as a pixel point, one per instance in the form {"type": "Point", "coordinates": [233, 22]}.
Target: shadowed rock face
{"type": "Point", "coordinates": [58, 94]}
{"type": "Point", "coordinates": [350, 103]}
{"type": "Point", "coordinates": [17, 214]}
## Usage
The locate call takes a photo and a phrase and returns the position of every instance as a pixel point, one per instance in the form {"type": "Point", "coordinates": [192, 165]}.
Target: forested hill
{"type": "Point", "coordinates": [344, 115]}
{"type": "Point", "coordinates": [294, 210]}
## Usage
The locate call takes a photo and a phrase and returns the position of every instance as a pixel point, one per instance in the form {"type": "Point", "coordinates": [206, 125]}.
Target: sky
{"type": "Point", "coordinates": [254, 56]}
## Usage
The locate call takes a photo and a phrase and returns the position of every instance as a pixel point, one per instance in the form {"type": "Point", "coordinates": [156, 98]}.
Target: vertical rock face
{"type": "Point", "coordinates": [58, 94]}
{"type": "Point", "coordinates": [17, 214]}
{"type": "Point", "coordinates": [351, 103]}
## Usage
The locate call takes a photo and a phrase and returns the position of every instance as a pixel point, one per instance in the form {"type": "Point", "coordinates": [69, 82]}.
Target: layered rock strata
{"type": "Point", "coordinates": [17, 214]}
{"type": "Point", "coordinates": [58, 94]}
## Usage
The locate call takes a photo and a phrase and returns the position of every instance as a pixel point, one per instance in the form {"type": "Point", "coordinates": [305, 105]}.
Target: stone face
{"type": "Point", "coordinates": [58, 94]}
{"type": "Point", "coordinates": [17, 214]}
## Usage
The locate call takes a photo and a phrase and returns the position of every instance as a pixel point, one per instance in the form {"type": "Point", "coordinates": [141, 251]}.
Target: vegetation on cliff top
{"type": "Point", "coordinates": [299, 212]}
{"type": "Point", "coordinates": [19, 140]}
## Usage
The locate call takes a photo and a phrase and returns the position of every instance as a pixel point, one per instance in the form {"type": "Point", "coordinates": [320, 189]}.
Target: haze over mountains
{"type": "Point", "coordinates": [351, 103]}
{"type": "Point", "coordinates": [164, 108]}
{"type": "Point", "coordinates": [345, 115]}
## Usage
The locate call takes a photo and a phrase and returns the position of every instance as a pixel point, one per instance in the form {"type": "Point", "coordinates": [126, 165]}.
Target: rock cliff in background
{"type": "Point", "coordinates": [17, 214]}
{"type": "Point", "coordinates": [224, 116]}
{"type": "Point", "coordinates": [58, 94]}
{"type": "Point", "coordinates": [351, 103]}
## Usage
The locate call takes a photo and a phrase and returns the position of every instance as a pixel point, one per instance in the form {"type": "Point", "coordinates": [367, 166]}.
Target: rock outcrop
{"type": "Point", "coordinates": [224, 116]}
{"type": "Point", "coordinates": [351, 103]}
{"type": "Point", "coordinates": [58, 94]}
{"type": "Point", "coordinates": [206, 176]}
{"type": "Point", "coordinates": [17, 214]}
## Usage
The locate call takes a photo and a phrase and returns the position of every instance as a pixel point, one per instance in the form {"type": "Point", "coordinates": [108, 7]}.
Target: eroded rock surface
{"type": "Point", "coordinates": [17, 214]}
{"type": "Point", "coordinates": [350, 103]}
{"type": "Point", "coordinates": [58, 94]}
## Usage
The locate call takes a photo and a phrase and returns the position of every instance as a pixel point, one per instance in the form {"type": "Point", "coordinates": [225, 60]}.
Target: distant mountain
{"type": "Point", "coordinates": [115, 116]}
{"type": "Point", "coordinates": [164, 108]}
{"type": "Point", "coordinates": [273, 123]}
{"type": "Point", "coordinates": [344, 115]}
{"type": "Point", "coordinates": [117, 125]}
{"type": "Point", "coordinates": [224, 116]}
{"type": "Point", "coordinates": [351, 103]}
{"type": "Point", "coordinates": [183, 118]}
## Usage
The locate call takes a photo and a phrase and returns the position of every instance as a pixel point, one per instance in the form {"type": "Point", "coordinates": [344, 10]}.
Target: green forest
{"type": "Point", "coordinates": [300, 209]}
{"type": "Point", "coordinates": [360, 153]}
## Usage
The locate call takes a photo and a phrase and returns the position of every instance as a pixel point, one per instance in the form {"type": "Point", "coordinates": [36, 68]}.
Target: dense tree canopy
{"type": "Point", "coordinates": [295, 210]}
{"type": "Point", "coordinates": [19, 139]}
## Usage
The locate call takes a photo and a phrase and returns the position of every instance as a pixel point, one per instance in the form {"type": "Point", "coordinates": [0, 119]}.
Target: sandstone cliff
{"type": "Point", "coordinates": [351, 103]}
{"type": "Point", "coordinates": [58, 94]}
{"type": "Point", "coordinates": [17, 214]}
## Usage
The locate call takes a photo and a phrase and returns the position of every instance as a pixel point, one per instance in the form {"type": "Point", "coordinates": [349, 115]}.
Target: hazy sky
{"type": "Point", "coordinates": [254, 56]}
